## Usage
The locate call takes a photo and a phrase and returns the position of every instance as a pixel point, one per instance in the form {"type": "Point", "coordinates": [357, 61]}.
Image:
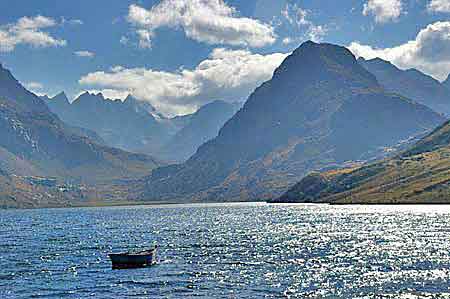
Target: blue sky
{"type": "Point", "coordinates": [181, 54]}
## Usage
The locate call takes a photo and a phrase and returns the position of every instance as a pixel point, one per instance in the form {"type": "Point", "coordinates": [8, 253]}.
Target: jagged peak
{"type": "Point", "coordinates": [89, 97]}
{"type": "Point", "coordinates": [130, 99]}
{"type": "Point", "coordinates": [61, 97]}
{"type": "Point", "coordinates": [100, 95]}
{"type": "Point", "coordinates": [61, 94]}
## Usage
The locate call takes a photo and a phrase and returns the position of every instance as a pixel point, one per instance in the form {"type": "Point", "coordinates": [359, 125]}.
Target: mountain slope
{"type": "Point", "coordinates": [130, 125]}
{"type": "Point", "coordinates": [35, 135]}
{"type": "Point", "coordinates": [321, 108]}
{"type": "Point", "coordinates": [59, 104]}
{"type": "Point", "coordinates": [203, 125]}
{"type": "Point", "coordinates": [136, 126]}
{"type": "Point", "coordinates": [418, 175]}
{"type": "Point", "coordinates": [410, 83]}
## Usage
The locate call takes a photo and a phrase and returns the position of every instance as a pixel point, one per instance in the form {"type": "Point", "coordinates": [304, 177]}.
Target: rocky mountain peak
{"type": "Point", "coordinates": [61, 97]}
{"type": "Point", "coordinates": [318, 62]}
{"type": "Point", "coordinates": [320, 108]}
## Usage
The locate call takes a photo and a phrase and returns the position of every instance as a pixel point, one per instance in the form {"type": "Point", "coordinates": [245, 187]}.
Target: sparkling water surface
{"type": "Point", "coordinates": [229, 251]}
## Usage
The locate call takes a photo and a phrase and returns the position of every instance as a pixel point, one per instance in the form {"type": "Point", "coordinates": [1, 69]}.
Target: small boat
{"type": "Point", "coordinates": [130, 260]}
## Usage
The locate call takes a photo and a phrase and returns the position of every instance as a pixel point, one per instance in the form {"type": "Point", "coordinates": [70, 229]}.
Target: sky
{"type": "Point", "coordinates": [181, 54]}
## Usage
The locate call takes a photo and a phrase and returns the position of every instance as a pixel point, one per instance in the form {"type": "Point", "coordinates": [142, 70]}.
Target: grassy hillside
{"type": "Point", "coordinates": [418, 175]}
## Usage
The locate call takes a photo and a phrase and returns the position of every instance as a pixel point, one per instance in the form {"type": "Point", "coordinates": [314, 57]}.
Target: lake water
{"type": "Point", "coordinates": [229, 251]}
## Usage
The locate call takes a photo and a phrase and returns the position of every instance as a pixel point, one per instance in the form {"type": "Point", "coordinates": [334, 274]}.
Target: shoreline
{"type": "Point", "coordinates": [112, 204]}
{"type": "Point", "coordinates": [132, 204]}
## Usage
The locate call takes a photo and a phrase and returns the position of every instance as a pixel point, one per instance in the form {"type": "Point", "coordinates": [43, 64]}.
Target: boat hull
{"type": "Point", "coordinates": [129, 261]}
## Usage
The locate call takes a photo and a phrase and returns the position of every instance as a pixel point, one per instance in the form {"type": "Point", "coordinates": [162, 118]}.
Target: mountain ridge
{"type": "Point", "coordinates": [410, 83]}
{"type": "Point", "coordinates": [137, 126]}
{"type": "Point", "coordinates": [294, 123]}
{"type": "Point", "coordinates": [203, 125]}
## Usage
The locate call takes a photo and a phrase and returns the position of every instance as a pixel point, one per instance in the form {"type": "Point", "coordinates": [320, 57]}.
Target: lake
{"type": "Point", "coordinates": [250, 250]}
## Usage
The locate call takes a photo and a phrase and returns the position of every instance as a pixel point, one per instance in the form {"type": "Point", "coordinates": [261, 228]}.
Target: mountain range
{"type": "Point", "coordinates": [36, 144]}
{"type": "Point", "coordinates": [136, 126]}
{"type": "Point", "coordinates": [130, 125]}
{"type": "Point", "coordinates": [411, 83]}
{"type": "Point", "coordinates": [320, 109]}
{"type": "Point", "coordinates": [323, 113]}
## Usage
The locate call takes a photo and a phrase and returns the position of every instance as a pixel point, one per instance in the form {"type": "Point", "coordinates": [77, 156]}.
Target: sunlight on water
{"type": "Point", "coordinates": [229, 251]}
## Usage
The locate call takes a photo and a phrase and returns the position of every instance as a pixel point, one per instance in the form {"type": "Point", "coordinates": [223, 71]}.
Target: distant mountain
{"type": "Point", "coordinates": [176, 123]}
{"type": "Point", "coordinates": [418, 175]}
{"type": "Point", "coordinates": [202, 126]}
{"type": "Point", "coordinates": [321, 108]}
{"type": "Point", "coordinates": [58, 104]}
{"type": "Point", "coordinates": [36, 142]}
{"type": "Point", "coordinates": [137, 126]}
{"type": "Point", "coordinates": [130, 125]}
{"type": "Point", "coordinates": [410, 83]}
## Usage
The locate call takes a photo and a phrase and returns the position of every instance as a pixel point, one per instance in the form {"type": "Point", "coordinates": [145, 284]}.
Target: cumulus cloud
{"type": "Point", "coordinates": [86, 54]}
{"type": "Point", "coordinates": [439, 6]}
{"type": "Point", "coordinates": [299, 17]}
{"type": "Point", "coordinates": [428, 52]}
{"type": "Point", "coordinates": [28, 30]}
{"type": "Point", "coordinates": [226, 74]}
{"type": "Point", "coordinates": [383, 10]}
{"type": "Point", "coordinates": [208, 21]}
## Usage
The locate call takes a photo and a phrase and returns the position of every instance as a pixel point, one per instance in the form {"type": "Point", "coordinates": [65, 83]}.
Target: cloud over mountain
{"type": "Point", "coordinates": [29, 31]}
{"type": "Point", "coordinates": [383, 10]}
{"type": "Point", "coordinates": [226, 74]}
{"type": "Point", "coordinates": [208, 21]}
{"type": "Point", "coordinates": [428, 52]}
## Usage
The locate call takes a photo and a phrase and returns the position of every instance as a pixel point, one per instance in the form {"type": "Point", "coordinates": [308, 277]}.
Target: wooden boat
{"type": "Point", "coordinates": [130, 260]}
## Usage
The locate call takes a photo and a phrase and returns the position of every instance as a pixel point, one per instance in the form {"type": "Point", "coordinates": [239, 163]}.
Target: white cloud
{"type": "Point", "coordinates": [208, 21]}
{"type": "Point", "coordinates": [226, 74]}
{"type": "Point", "coordinates": [28, 30]}
{"type": "Point", "coordinates": [86, 54]}
{"type": "Point", "coordinates": [439, 6]}
{"type": "Point", "coordinates": [299, 17]}
{"type": "Point", "coordinates": [383, 10]}
{"type": "Point", "coordinates": [428, 52]}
